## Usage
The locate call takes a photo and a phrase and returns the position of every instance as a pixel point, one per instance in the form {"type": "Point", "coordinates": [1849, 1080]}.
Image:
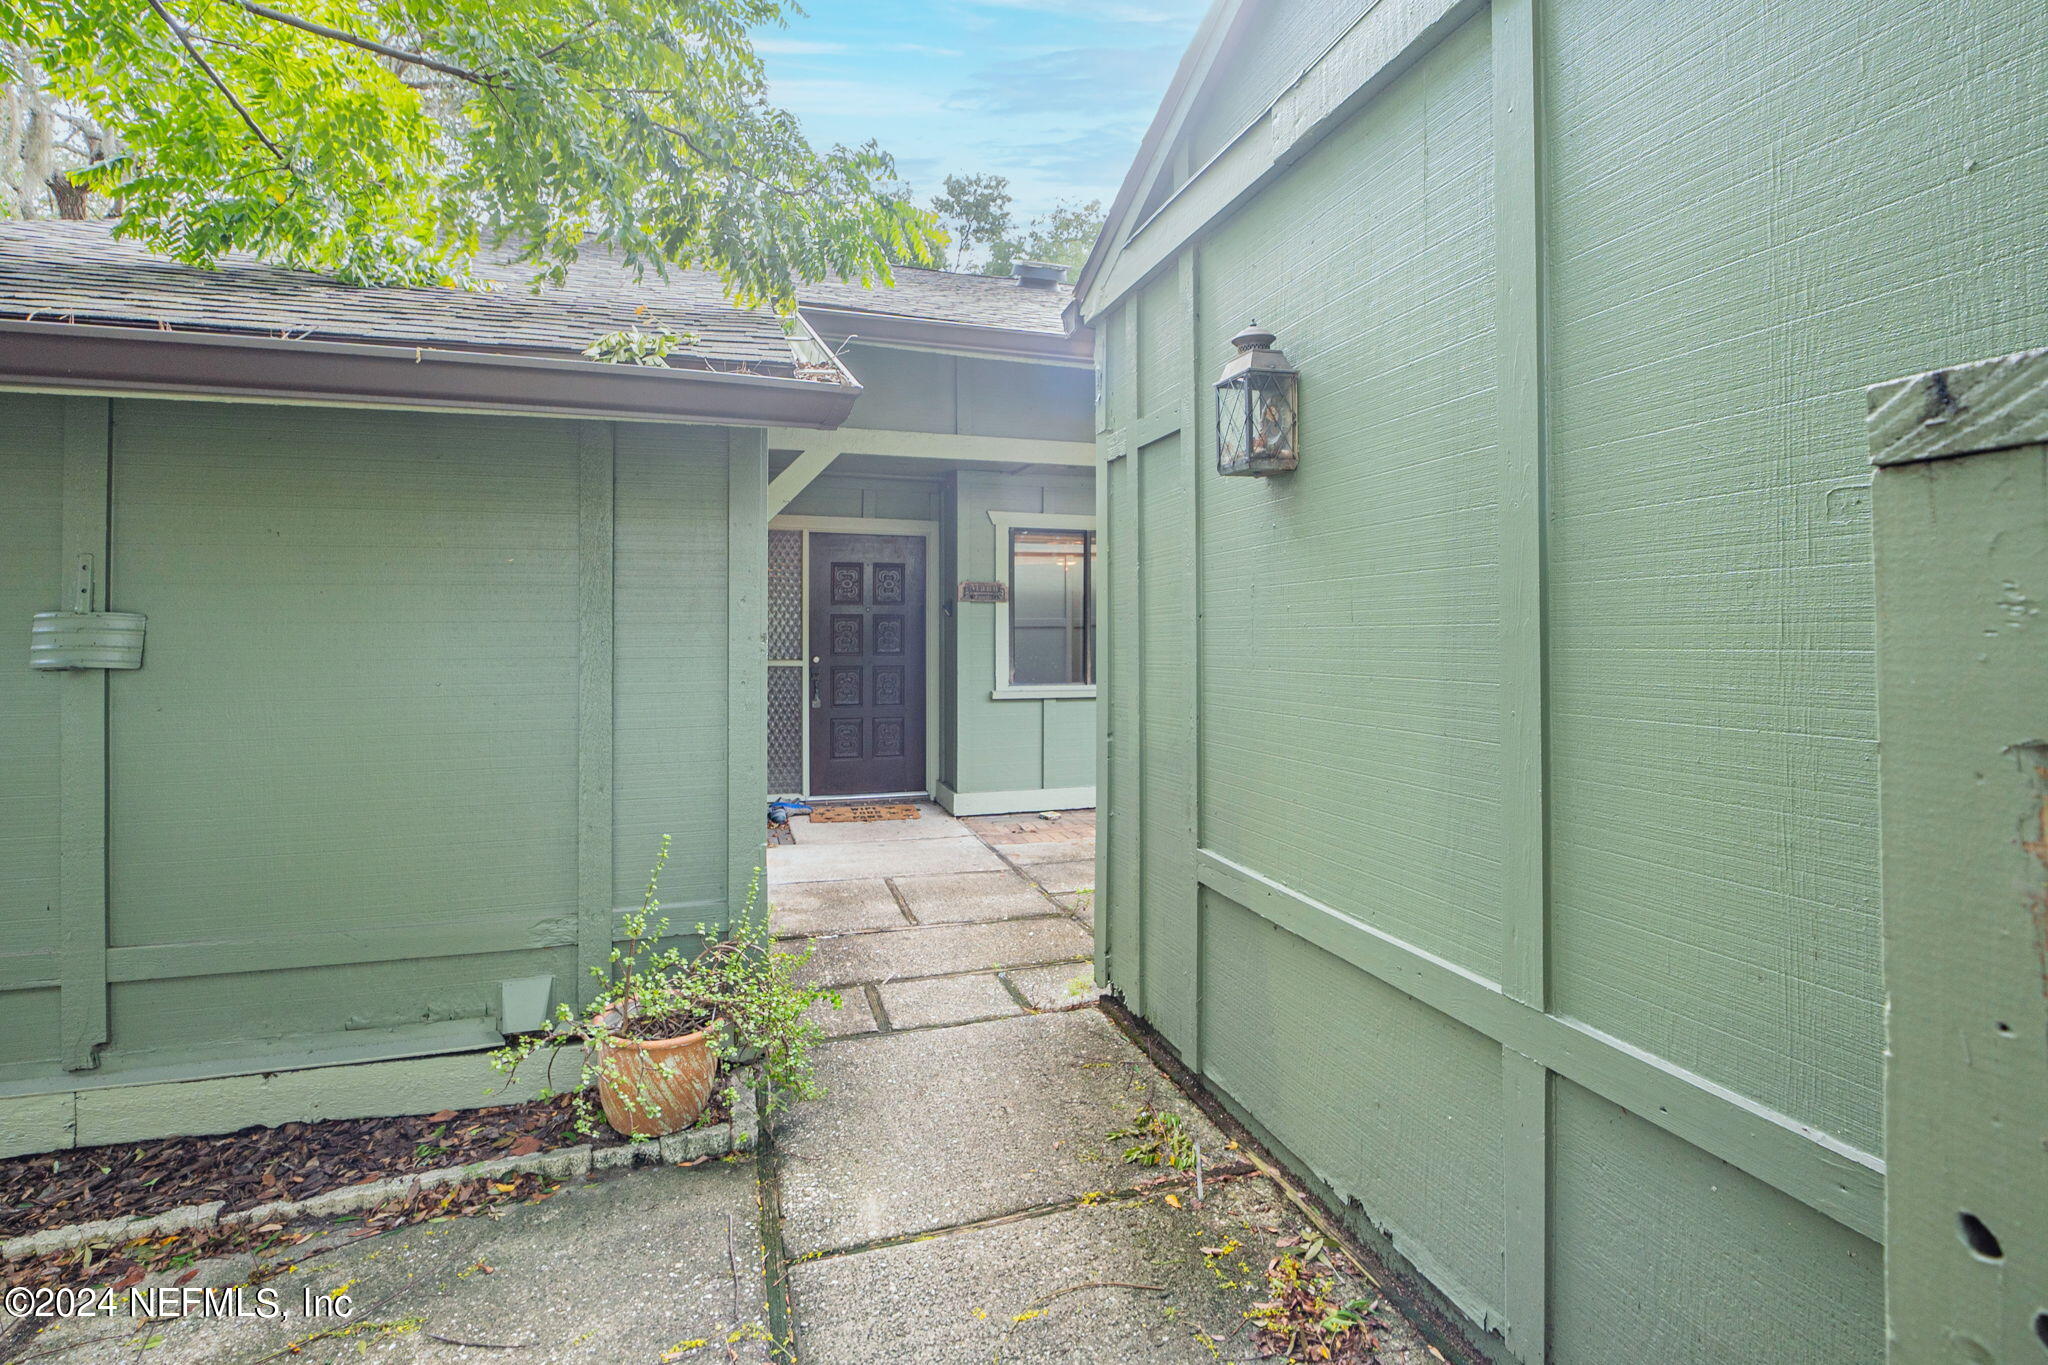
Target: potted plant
{"type": "Point", "coordinates": [665, 1022]}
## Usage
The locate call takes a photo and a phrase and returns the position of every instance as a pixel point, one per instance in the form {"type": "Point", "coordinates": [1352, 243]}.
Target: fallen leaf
{"type": "Point", "coordinates": [526, 1146]}
{"type": "Point", "coordinates": [442, 1117]}
{"type": "Point", "coordinates": [1173, 1199]}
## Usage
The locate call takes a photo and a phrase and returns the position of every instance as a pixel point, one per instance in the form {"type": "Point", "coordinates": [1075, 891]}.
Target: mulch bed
{"type": "Point", "coordinates": [125, 1265]}
{"type": "Point", "coordinates": [257, 1165]}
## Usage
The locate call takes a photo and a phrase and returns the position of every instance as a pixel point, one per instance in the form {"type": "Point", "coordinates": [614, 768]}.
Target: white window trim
{"type": "Point", "coordinates": [1005, 522]}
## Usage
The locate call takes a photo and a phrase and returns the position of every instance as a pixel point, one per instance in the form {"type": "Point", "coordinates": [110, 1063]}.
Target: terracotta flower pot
{"type": "Point", "coordinates": [656, 1087]}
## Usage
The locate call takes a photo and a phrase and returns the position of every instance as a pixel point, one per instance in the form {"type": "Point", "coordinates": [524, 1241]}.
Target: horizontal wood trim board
{"type": "Point", "coordinates": [1963, 410]}
{"type": "Point", "coordinates": [172, 961]}
{"type": "Point", "coordinates": [1841, 1181]}
{"type": "Point", "coordinates": [1145, 430]}
{"type": "Point", "coordinates": [1015, 802]}
{"type": "Point", "coordinates": [934, 445]}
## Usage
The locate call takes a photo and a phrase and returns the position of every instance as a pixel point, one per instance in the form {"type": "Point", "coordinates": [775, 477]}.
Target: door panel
{"type": "Point", "coordinates": [867, 665]}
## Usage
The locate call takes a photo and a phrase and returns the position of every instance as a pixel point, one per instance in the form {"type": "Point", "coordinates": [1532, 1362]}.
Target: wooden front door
{"type": "Point", "coordinates": [867, 663]}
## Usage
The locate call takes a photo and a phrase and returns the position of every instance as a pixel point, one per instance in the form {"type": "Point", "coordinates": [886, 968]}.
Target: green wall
{"type": "Point", "coordinates": [420, 694]}
{"type": "Point", "coordinates": [968, 395]}
{"type": "Point", "coordinates": [1009, 744]}
{"type": "Point", "coordinates": [1492, 804]}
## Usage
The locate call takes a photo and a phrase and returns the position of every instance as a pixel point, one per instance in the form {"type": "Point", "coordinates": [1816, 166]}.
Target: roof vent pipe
{"type": "Point", "coordinates": [1039, 274]}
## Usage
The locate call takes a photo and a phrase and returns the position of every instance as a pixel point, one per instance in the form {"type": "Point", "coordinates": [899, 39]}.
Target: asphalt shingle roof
{"type": "Point", "coordinates": [943, 296]}
{"type": "Point", "coordinates": [79, 272]}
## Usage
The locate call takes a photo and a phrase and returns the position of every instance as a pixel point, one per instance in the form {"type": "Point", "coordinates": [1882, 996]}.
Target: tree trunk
{"type": "Point", "coordinates": [70, 197]}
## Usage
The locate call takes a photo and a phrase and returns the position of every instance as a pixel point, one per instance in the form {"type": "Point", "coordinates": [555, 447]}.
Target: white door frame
{"type": "Point", "coordinates": [877, 526]}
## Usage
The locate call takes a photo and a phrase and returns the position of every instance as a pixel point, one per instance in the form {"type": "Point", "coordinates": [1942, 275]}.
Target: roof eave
{"type": "Point", "coordinates": [96, 359]}
{"type": "Point", "coordinates": [1187, 78]}
{"type": "Point", "coordinates": [894, 329]}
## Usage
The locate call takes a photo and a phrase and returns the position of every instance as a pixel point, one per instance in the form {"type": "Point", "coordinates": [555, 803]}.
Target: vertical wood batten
{"type": "Point", "coordinates": [1187, 408]}
{"type": "Point", "coordinates": [1127, 817]}
{"type": "Point", "coordinates": [596, 512]}
{"type": "Point", "coordinates": [1525, 1268]}
{"type": "Point", "coordinates": [1105, 777]}
{"type": "Point", "coordinates": [1524, 976]}
{"type": "Point", "coordinates": [746, 619]}
{"type": "Point", "coordinates": [82, 746]}
{"type": "Point", "coordinates": [1518, 240]}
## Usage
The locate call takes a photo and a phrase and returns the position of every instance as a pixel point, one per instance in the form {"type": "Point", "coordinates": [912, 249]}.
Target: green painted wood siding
{"type": "Point", "coordinates": [885, 498]}
{"type": "Point", "coordinates": [1504, 842]}
{"type": "Point", "coordinates": [1013, 744]}
{"type": "Point", "coordinates": [420, 694]}
{"type": "Point", "coordinates": [31, 721]}
{"type": "Point", "coordinates": [969, 395]}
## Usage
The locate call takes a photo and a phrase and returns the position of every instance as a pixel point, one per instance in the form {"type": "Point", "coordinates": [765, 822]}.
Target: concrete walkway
{"type": "Point", "coordinates": [955, 1197]}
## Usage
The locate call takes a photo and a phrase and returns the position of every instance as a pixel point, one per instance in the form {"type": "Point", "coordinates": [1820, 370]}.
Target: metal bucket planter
{"type": "Point", "coordinates": [656, 1087]}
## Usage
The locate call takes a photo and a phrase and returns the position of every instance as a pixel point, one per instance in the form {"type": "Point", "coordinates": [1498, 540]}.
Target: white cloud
{"type": "Point", "coordinates": [797, 47]}
{"type": "Point", "coordinates": [866, 100]}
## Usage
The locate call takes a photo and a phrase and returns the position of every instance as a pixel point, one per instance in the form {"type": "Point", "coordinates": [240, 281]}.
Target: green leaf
{"type": "Point", "coordinates": [392, 141]}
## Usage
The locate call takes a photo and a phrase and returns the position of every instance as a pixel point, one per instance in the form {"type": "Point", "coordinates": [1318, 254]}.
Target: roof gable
{"type": "Point", "coordinates": [1260, 84]}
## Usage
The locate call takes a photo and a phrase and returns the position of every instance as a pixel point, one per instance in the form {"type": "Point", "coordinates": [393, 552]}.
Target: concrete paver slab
{"type": "Point", "coordinates": [618, 1269]}
{"type": "Point", "coordinates": [833, 907]}
{"type": "Point", "coordinates": [854, 1014]}
{"type": "Point", "coordinates": [1081, 903]}
{"type": "Point", "coordinates": [958, 1297]}
{"type": "Point", "coordinates": [946, 949]}
{"type": "Point", "coordinates": [789, 863]}
{"type": "Point", "coordinates": [957, 897]}
{"type": "Point", "coordinates": [1026, 855]}
{"type": "Point", "coordinates": [1056, 988]}
{"type": "Point", "coordinates": [937, 1127]}
{"type": "Point", "coordinates": [1063, 878]}
{"type": "Point", "coordinates": [947, 1000]}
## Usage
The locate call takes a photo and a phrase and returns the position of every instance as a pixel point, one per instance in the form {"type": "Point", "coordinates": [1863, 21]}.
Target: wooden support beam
{"type": "Point", "coordinates": [810, 462]}
{"type": "Point", "coordinates": [937, 445]}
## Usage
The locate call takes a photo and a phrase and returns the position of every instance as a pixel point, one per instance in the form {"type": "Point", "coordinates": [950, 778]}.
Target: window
{"type": "Point", "coordinates": [1052, 607]}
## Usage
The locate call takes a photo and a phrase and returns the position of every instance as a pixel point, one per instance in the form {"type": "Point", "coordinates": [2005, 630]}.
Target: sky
{"type": "Point", "coordinates": [1053, 94]}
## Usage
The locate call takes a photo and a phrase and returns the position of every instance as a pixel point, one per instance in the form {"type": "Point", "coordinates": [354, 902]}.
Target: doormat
{"type": "Point", "coordinates": [826, 815]}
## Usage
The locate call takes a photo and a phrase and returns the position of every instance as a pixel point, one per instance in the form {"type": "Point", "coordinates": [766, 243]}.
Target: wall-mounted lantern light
{"type": "Point", "coordinates": [1258, 407]}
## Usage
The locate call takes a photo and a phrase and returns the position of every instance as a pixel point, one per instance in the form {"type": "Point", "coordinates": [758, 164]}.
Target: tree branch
{"type": "Point", "coordinates": [185, 41]}
{"type": "Point", "coordinates": [396, 54]}
{"type": "Point", "coordinates": [578, 36]}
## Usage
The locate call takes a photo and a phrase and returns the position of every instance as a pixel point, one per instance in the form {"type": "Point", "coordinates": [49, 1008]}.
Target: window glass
{"type": "Point", "coordinates": [1052, 616]}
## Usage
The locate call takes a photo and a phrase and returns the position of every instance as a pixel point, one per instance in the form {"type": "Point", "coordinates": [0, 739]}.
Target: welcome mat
{"type": "Point", "coordinates": [827, 815]}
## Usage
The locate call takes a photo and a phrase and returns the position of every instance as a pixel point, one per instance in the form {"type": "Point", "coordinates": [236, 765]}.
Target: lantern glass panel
{"type": "Point", "coordinates": [1233, 425]}
{"type": "Point", "coordinates": [1272, 421]}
